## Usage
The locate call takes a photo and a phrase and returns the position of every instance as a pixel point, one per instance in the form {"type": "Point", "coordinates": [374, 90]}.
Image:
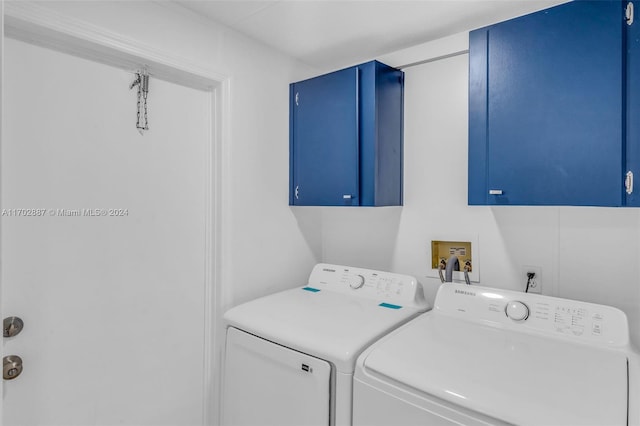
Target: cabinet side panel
{"type": "Point", "coordinates": [477, 185]}
{"type": "Point", "coordinates": [389, 141]}
{"type": "Point", "coordinates": [368, 123]}
{"type": "Point", "coordinates": [291, 146]}
{"type": "Point", "coordinates": [633, 105]}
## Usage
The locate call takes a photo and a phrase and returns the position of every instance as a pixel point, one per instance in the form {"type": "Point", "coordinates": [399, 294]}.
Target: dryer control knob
{"type": "Point", "coordinates": [356, 281]}
{"type": "Point", "coordinates": [517, 311]}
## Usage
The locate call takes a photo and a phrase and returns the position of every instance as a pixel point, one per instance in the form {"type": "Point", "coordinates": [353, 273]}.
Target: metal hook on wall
{"type": "Point", "coordinates": [142, 81]}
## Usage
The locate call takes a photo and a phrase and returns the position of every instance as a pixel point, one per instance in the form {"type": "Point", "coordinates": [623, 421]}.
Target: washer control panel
{"type": "Point", "coordinates": [388, 287]}
{"type": "Point", "coordinates": [533, 312]}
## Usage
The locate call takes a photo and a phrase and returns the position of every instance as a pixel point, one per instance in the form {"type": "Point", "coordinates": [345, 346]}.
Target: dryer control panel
{"type": "Point", "coordinates": [574, 319]}
{"type": "Point", "coordinates": [396, 290]}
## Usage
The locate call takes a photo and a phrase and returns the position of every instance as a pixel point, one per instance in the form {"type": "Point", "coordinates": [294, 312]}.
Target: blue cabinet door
{"type": "Point", "coordinates": [324, 169]}
{"type": "Point", "coordinates": [546, 108]}
{"type": "Point", "coordinates": [346, 136]}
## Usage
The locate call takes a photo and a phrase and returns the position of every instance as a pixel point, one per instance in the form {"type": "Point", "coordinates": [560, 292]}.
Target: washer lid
{"type": "Point", "coordinates": [517, 377]}
{"type": "Point", "coordinates": [326, 324]}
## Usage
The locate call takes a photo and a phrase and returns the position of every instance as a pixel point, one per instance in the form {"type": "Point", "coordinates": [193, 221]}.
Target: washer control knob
{"type": "Point", "coordinates": [356, 281]}
{"type": "Point", "coordinates": [517, 310]}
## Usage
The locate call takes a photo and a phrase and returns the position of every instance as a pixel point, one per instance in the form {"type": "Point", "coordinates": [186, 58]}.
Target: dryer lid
{"type": "Point", "coordinates": [517, 377]}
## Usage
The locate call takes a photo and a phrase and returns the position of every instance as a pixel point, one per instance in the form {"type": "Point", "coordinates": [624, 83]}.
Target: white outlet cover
{"type": "Point", "coordinates": [537, 280]}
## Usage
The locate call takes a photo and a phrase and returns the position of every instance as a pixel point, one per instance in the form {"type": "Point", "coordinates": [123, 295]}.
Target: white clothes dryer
{"type": "Point", "coordinates": [290, 356]}
{"type": "Point", "coordinates": [485, 356]}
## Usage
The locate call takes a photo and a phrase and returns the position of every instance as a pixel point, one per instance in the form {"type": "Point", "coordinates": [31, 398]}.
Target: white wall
{"type": "Point", "coordinates": [589, 254]}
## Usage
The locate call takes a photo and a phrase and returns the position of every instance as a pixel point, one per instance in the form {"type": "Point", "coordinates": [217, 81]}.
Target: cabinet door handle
{"type": "Point", "coordinates": [297, 97]}
{"type": "Point", "coordinates": [297, 192]}
{"type": "Point", "coordinates": [347, 196]}
{"type": "Point", "coordinates": [495, 192]}
{"type": "Point", "coordinates": [628, 182]}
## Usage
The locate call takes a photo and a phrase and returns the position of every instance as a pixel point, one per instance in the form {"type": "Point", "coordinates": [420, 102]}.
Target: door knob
{"type": "Point", "coordinates": [11, 367]}
{"type": "Point", "coordinates": [12, 326]}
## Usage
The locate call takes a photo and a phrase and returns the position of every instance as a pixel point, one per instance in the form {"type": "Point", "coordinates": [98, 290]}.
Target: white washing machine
{"type": "Point", "coordinates": [290, 356]}
{"type": "Point", "coordinates": [485, 356]}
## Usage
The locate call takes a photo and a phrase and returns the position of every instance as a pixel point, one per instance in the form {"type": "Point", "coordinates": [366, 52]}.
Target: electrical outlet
{"type": "Point", "coordinates": [535, 285]}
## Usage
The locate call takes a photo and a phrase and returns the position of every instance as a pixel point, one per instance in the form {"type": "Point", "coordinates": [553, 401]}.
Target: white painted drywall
{"type": "Point", "coordinates": [588, 254]}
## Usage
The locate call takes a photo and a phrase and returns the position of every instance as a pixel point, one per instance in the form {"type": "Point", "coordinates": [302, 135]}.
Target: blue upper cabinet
{"type": "Point", "coordinates": [547, 108]}
{"type": "Point", "coordinates": [345, 138]}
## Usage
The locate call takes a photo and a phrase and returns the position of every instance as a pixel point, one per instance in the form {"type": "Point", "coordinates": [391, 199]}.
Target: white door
{"type": "Point", "coordinates": [113, 304]}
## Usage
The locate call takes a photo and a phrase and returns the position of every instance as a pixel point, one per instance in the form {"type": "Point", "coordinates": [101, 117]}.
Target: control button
{"type": "Point", "coordinates": [577, 331]}
{"type": "Point", "coordinates": [517, 311]}
{"type": "Point", "coordinates": [356, 281]}
{"type": "Point", "coordinates": [596, 329]}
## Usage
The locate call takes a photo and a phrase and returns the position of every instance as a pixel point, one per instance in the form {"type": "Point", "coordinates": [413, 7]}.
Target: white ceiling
{"type": "Point", "coordinates": [333, 33]}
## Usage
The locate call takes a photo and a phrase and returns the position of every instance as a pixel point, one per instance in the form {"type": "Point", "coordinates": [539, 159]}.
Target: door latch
{"type": "Point", "coordinates": [11, 367]}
